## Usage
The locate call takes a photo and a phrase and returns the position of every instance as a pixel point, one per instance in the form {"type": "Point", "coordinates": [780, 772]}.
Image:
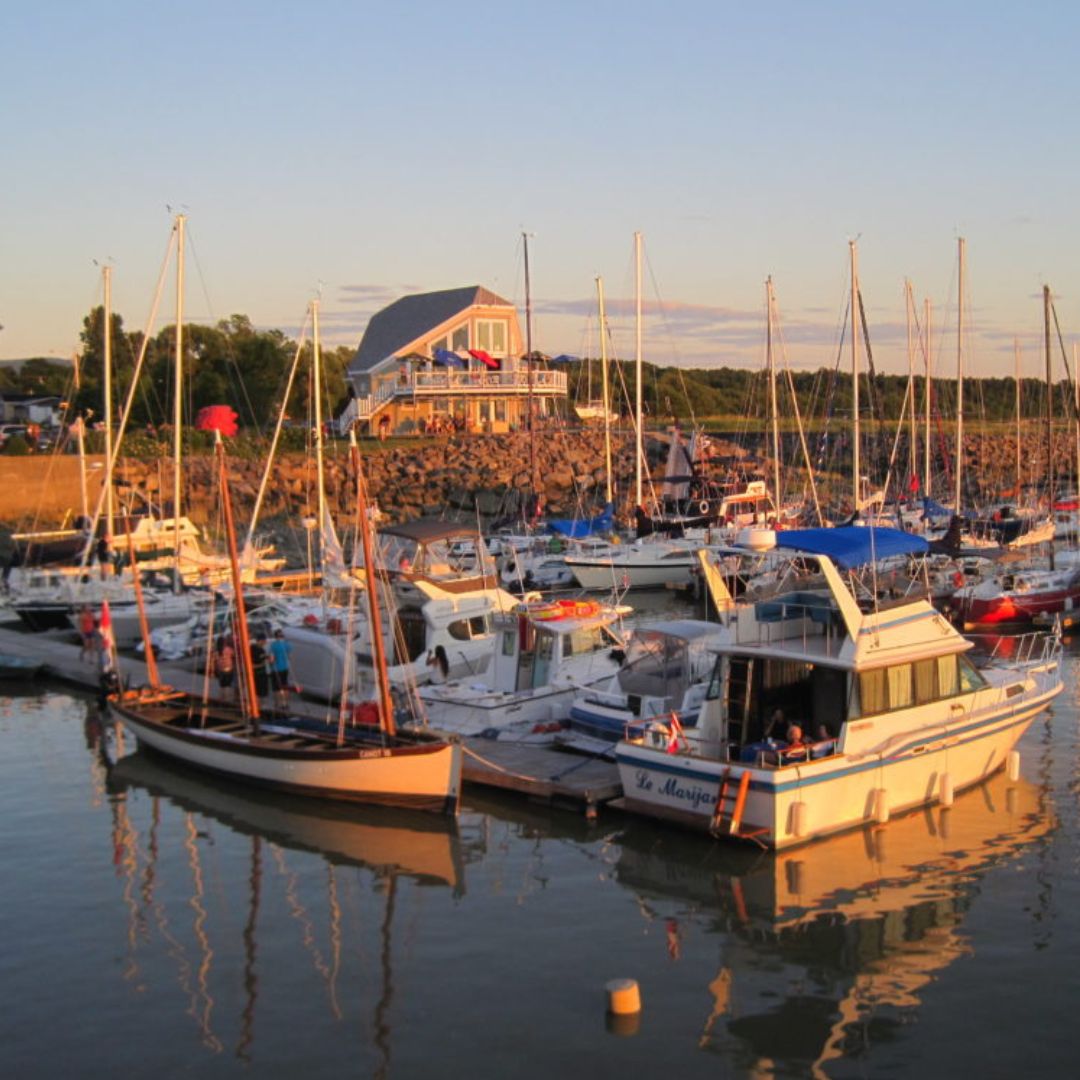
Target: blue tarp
{"type": "Point", "coordinates": [576, 527]}
{"type": "Point", "coordinates": [934, 509]}
{"type": "Point", "coordinates": [852, 545]}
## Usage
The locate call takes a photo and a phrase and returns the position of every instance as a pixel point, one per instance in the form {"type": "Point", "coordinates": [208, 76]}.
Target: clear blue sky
{"type": "Point", "coordinates": [369, 150]}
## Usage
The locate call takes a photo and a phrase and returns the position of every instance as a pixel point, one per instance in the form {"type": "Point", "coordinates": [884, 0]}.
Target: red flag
{"type": "Point", "coordinates": [676, 735]}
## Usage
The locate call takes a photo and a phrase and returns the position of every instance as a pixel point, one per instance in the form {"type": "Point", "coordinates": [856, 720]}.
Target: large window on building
{"type": "Point", "coordinates": [459, 339]}
{"type": "Point", "coordinates": [491, 336]}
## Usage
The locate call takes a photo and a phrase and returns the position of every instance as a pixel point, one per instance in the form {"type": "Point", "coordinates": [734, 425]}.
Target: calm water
{"type": "Point", "coordinates": [159, 924]}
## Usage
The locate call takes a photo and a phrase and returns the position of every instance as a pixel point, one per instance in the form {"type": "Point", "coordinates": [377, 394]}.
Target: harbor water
{"type": "Point", "coordinates": [160, 923]}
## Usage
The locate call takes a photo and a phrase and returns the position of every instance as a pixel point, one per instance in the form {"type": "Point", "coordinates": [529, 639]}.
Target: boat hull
{"type": "Point", "coordinates": [596, 575]}
{"type": "Point", "coordinates": [420, 775]}
{"type": "Point", "coordinates": [797, 803]}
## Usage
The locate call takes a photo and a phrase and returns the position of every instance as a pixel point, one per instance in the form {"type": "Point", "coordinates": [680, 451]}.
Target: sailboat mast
{"type": "Point", "coordinates": [927, 391]}
{"type": "Point", "coordinates": [243, 637]}
{"type": "Point", "coordinates": [774, 415]}
{"type": "Point", "coordinates": [639, 440]}
{"type": "Point", "coordinates": [316, 391]}
{"type": "Point", "coordinates": [604, 383]}
{"type": "Point", "coordinates": [1049, 409]}
{"type": "Point", "coordinates": [856, 464]}
{"type": "Point", "coordinates": [909, 306]}
{"type": "Point", "coordinates": [178, 403]}
{"type": "Point", "coordinates": [529, 362]}
{"type": "Point", "coordinates": [378, 645]}
{"type": "Point", "coordinates": [106, 277]}
{"type": "Point", "coordinates": [1016, 377]}
{"type": "Point", "coordinates": [959, 380]}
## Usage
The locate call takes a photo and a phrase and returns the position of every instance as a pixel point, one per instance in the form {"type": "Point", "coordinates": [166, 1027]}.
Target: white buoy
{"type": "Point", "coordinates": [945, 790]}
{"type": "Point", "coordinates": [623, 997]}
{"type": "Point", "coordinates": [1012, 766]}
{"type": "Point", "coordinates": [800, 819]}
{"type": "Point", "coordinates": [881, 805]}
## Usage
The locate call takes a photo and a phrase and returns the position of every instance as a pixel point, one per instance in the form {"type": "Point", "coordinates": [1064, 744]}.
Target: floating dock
{"type": "Point", "coordinates": [542, 773]}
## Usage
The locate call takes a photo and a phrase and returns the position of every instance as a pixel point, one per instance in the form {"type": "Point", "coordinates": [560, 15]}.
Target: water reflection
{"type": "Point", "coordinates": [390, 846]}
{"type": "Point", "coordinates": [826, 949]}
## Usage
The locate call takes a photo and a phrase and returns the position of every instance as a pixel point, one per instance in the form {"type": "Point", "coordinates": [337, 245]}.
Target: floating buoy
{"type": "Point", "coordinates": [623, 997]}
{"type": "Point", "coordinates": [880, 810]}
{"type": "Point", "coordinates": [800, 819]}
{"type": "Point", "coordinates": [945, 790]}
{"type": "Point", "coordinates": [1012, 766]}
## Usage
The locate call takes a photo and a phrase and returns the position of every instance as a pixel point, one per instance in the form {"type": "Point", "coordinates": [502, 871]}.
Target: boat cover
{"type": "Point", "coordinates": [576, 527]}
{"type": "Point", "coordinates": [852, 545]}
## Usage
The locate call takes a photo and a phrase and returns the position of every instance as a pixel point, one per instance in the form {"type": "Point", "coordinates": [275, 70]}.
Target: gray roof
{"type": "Point", "coordinates": [391, 329]}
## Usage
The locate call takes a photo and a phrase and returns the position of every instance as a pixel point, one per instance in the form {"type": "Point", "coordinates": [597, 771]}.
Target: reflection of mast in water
{"type": "Point", "coordinates": [382, 1007]}
{"type": "Point", "coordinates": [203, 1015]}
{"type": "Point", "coordinates": [251, 981]}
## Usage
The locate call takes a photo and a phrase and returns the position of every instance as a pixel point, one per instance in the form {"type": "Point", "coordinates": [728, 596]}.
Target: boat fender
{"type": "Point", "coordinates": [366, 712]}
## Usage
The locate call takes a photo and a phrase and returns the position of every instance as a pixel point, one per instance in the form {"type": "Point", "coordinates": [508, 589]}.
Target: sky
{"type": "Point", "coordinates": [359, 151]}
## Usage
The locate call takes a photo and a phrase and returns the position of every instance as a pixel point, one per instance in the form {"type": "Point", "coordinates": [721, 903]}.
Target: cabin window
{"type": "Point", "coordinates": [900, 694]}
{"type": "Point", "coordinates": [459, 630]}
{"type": "Point", "coordinates": [873, 691]}
{"type": "Point", "coordinates": [509, 640]}
{"type": "Point", "coordinates": [970, 676]}
{"type": "Point", "coordinates": [584, 641]}
{"type": "Point", "coordinates": [478, 624]}
{"type": "Point", "coordinates": [545, 651]}
{"type": "Point", "coordinates": [925, 681]}
{"type": "Point", "coordinates": [948, 676]}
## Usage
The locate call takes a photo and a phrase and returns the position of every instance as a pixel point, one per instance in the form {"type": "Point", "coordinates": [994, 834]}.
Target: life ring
{"type": "Point", "coordinates": [579, 609]}
{"type": "Point", "coordinates": [546, 611]}
{"type": "Point", "coordinates": [703, 506]}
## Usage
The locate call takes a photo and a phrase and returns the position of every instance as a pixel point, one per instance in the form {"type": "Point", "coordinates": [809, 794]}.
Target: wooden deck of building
{"type": "Point", "coordinates": [541, 773]}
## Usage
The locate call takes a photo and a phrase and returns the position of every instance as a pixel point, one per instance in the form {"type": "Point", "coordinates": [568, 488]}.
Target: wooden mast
{"type": "Point", "coordinates": [251, 710]}
{"type": "Point", "coordinates": [371, 573]}
{"type": "Point", "coordinates": [927, 391]}
{"type": "Point", "coordinates": [529, 368]}
{"type": "Point", "coordinates": [1049, 413]}
{"type": "Point", "coordinates": [774, 415]}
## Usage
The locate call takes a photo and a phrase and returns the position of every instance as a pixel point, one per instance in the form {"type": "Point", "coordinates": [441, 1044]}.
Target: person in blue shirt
{"type": "Point", "coordinates": [279, 667]}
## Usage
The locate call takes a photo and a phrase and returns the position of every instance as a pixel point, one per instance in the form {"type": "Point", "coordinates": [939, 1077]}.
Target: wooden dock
{"type": "Point", "coordinates": [542, 773]}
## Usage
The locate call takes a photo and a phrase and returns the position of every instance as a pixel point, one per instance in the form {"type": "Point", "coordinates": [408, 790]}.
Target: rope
{"type": "Point", "coordinates": [498, 768]}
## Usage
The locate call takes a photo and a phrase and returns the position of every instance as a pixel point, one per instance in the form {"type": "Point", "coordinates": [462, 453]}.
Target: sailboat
{"type": "Point", "coordinates": [420, 772]}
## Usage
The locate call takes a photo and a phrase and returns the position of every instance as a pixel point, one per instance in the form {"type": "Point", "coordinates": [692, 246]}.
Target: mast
{"type": "Point", "coordinates": [604, 380]}
{"type": "Point", "coordinates": [774, 415]}
{"type": "Point", "coordinates": [1076, 418]}
{"type": "Point", "coordinates": [529, 363]}
{"type": "Point", "coordinates": [178, 403]}
{"type": "Point", "coordinates": [1016, 379]}
{"type": "Point", "coordinates": [639, 440]}
{"type": "Point", "coordinates": [378, 645]}
{"type": "Point", "coordinates": [1049, 412]}
{"type": "Point", "coordinates": [926, 405]}
{"type": "Point", "coordinates": [251, 710]}
{"type": "Point", "coordinates": [959, 381]}
{"type": "Point", "coordinates": [856, 464]}
{"type": "Point", "coordinates": [316, 390]}
{"type": "Point", "coordinates": [106, 276]}
{"type": "Point", "coordinates": [909, 304]}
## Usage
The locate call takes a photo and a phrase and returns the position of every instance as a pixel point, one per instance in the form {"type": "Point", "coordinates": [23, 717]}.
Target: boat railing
{"type": "Point", "coordinates": [1032, 648]}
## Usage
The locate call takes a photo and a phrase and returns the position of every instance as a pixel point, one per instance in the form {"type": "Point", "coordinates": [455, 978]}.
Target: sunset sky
{"type": "Point", "coordinates": [364, 151]}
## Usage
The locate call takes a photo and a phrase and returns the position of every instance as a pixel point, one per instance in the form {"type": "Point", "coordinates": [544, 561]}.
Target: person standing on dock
{"type": "Point", "coordinates": [87, 633]}
{"type": "Point", "coordinates": [279, 668]}
{"type": "Point", "coordinates": [259, 662]}
{"type": "Point", "coordinates": [225, 665]}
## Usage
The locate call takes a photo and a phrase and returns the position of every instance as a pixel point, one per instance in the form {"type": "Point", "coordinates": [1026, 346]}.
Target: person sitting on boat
{"type": "Point", "coordinates": [439, 663]}
{"type": "Point", "coordinates": [796, 749]}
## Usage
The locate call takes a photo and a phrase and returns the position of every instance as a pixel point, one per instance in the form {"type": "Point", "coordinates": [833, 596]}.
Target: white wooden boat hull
{"type": "Point", "coordinates": [422, 775]}
{"type": "Point", "coordinates": [800, 802]}
{"type": "Point", "coordinates": [599, 575]}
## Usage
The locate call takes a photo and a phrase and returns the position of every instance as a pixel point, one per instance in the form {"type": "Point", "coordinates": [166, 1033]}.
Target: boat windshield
{"type": "Point", "coordinates": [656, 665]}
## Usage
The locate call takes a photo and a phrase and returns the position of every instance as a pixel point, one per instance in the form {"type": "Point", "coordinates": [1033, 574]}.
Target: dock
{"type": "Point", "coordinates": [539, 772]}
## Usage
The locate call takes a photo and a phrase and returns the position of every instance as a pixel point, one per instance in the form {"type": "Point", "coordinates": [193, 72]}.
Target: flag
{"type": "Point", "coordinates": [677, 735]}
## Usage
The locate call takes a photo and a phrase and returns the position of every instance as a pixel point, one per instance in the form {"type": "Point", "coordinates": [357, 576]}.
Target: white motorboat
{"type": "Point", "coordinates": [896, 713]}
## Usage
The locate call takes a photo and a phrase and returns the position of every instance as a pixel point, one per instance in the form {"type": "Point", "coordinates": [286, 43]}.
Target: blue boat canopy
{"type": "Point", "coordinates": [852, 545]}
{"type": "Point", "coordinates": [576, 528]}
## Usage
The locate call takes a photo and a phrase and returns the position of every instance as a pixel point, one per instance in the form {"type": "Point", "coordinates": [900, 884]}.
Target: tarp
{"type": "Point", "coordinates": [448, 358]}
{"type": "Point", "coordinates": [852, 545]}
{"type": "Point", "coordinates": [576, 527]}
{"type": "Point", "coordinates": [564, 358]}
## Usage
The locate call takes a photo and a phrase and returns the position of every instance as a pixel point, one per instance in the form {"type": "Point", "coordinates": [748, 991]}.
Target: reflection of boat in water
{"type": "Point", "coordinates": [863, 921]}
{"type": "Point", "coordinates": [425, 847]}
